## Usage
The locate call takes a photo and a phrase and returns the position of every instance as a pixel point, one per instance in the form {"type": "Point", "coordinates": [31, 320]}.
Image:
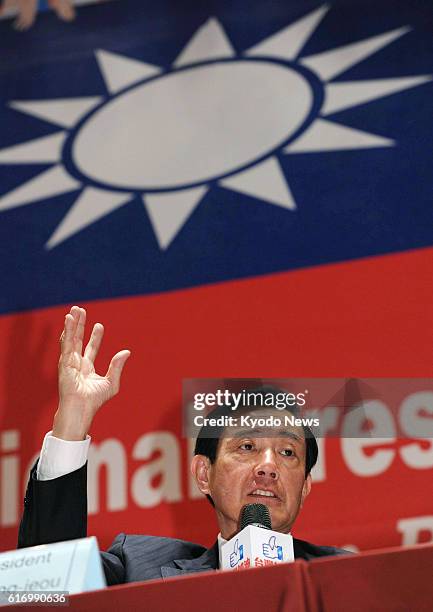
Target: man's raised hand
{"type": "Point", "coordinates": [81, 390]}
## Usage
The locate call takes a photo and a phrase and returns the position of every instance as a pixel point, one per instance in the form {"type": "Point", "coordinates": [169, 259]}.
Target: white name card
{"type": "Point", "coordinates": [74, 566]}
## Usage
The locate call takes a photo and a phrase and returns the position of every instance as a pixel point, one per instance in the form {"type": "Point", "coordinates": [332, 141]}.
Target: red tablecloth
{"type": "Point", "coordinates": [395, 580]}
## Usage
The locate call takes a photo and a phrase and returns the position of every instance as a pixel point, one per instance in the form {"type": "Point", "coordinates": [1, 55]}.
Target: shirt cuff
{"type": "Point", "coordinates": [60, 457]}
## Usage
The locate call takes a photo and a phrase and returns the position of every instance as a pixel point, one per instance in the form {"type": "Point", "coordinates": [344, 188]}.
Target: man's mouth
{"type": "Point", "coordinates": [263, 494]}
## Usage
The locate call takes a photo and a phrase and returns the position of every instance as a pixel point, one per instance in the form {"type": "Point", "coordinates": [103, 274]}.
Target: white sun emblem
{"type": "Point", "coordinates": [215, 118]}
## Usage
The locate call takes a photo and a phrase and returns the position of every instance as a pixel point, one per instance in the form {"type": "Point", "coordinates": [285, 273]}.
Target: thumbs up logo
{"type": "Point", "coordinates": [271, 550]}
{"type": "Point", "coordinates": [237, 554]}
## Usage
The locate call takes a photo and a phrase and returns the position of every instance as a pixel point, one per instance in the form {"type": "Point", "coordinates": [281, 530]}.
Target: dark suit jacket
{"type": "Point", "coordinates": [56, 510]}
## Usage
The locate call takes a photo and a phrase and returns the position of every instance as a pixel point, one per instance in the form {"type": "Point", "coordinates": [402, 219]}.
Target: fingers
{"type": "Point", "coordinates": [26, 14]}
{"type": "Point", "coordinates": [115, 368]}
{"type": "Point", "coordinates": [67, 337]}
{"type": "Point", "coordinates": [94, 343]}
{"type": "Point", "coordinates": [72, 341]}
{"type": "Point", "coordinates": [64, 9]}
{"type": "Point", "coordinates": [80, 314]}
{"type": "Point", "coordinates": [73, 331]}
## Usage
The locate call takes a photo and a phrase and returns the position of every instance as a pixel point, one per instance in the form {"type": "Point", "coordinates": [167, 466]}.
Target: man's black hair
{"type": "Point", "coordinates": [208, 438]}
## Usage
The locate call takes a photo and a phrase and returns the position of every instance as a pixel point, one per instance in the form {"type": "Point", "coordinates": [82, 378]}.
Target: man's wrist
{"type": "Point", "coordinates": [70, 424]}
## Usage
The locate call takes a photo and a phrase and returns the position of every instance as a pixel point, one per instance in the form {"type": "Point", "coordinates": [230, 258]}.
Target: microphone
{"type": "Point", "coordinates": [257, 515]}
{"type": "Point", "coordinates": [256, 545]}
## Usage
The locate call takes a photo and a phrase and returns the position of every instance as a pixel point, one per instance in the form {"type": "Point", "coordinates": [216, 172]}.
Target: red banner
{"type": "Point", "coordinates": [339, 320]}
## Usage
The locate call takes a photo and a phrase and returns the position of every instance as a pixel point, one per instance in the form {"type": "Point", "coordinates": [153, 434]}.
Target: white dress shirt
{"type": "Point", "coordinates": [59, 457]}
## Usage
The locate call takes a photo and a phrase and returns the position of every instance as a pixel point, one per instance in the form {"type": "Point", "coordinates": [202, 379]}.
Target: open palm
{"type": "Point", "coordinates": [81, 390]}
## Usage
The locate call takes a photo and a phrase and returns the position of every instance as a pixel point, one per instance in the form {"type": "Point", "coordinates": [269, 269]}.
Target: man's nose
{"type": "Point", "coordinates": [267, 467]}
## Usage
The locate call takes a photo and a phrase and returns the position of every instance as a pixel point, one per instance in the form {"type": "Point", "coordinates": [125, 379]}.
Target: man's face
{"type": "Point", "coordinates": [253, 468]}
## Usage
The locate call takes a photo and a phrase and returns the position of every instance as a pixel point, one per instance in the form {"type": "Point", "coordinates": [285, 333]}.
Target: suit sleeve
{"type": "Point", "coordinates": [113, 561]}
{"type": "Point", "coordinates": [56, 510]}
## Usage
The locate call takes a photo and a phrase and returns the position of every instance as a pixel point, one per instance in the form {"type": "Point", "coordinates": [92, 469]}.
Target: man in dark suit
{"type": "Point", "coordinates": [231, 470]}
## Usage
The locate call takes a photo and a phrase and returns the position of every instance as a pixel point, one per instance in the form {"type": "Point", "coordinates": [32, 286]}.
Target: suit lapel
{"type": "Point", "coordinates": [208, 561]}
{"type": "Point", "coordinates": [299, 550]}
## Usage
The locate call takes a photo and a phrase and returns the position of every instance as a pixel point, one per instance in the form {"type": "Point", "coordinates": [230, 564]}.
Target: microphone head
{"type": "Point", "coordinates": [257, 515]}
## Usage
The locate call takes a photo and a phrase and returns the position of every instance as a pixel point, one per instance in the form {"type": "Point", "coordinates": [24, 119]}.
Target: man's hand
{"type": "Point", "coordinates": [64, 9]}
{"type": "Point", "coordinates": [27, 10]}
{"type": "Point", "coordinates": [81, 391]}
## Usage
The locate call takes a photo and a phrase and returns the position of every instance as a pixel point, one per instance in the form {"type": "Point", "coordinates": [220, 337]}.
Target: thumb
{"type": "Point", "coordinates": [272, 541]}
{"type": "Point", "coordinates": [115, 368]}
{"type": "Point", "coordinates": [236, 546]}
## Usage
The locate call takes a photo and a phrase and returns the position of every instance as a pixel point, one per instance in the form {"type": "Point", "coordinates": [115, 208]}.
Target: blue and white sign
{"type": "Point", "coordinates": [237, 555]}
{"type": "Point", "coordinates": [272, 550]}
{"type": "Point", "coordinates": [257, 547]}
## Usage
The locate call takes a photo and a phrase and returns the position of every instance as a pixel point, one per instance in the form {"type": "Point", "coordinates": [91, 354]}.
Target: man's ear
{"type": "Point", "coordinates": [200, 467]}
{"type": "Point", "coordinates": [306, 489]}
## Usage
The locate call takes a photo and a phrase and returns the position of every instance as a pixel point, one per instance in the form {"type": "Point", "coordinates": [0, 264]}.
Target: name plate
{"type": "Point", "coordinates": [74, 566]}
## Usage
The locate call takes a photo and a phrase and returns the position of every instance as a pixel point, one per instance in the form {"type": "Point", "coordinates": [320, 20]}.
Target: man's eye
{"type": "Point", "coordinates": [288, 452]}
{"type": "Point", "coordinates": [246, 446]}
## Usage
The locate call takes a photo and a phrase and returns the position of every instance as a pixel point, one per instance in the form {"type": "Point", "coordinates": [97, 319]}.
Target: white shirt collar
{"type": "Point", "coordinates": [221, 542]}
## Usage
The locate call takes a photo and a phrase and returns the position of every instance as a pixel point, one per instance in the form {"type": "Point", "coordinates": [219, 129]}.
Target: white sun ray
{"type": "Point", "coordinates": [265, 181]}
{"type": "Point", "coordinates": [209, 42]}
{"type": "Point", "coordinates": [329, 64]}
{"type": "Point", "coordinates": [340, 96]}
{"type": "Point", "coordinates": [92, 205]}
{"type": "Point", "coordinates": [168, 212]}
{"type": "Point", "coordinates": [120, 71]}
{"type": "Point", "coordinates": [38, 151]}
{"type": "Point", "coordinates": [288, 42]}
{"type": "Point", "coordinates": [328, 136]}
{"type": "Point", "coordinates": [61, 111]}
{"type": "Point", "coordinates": [48, 184]}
